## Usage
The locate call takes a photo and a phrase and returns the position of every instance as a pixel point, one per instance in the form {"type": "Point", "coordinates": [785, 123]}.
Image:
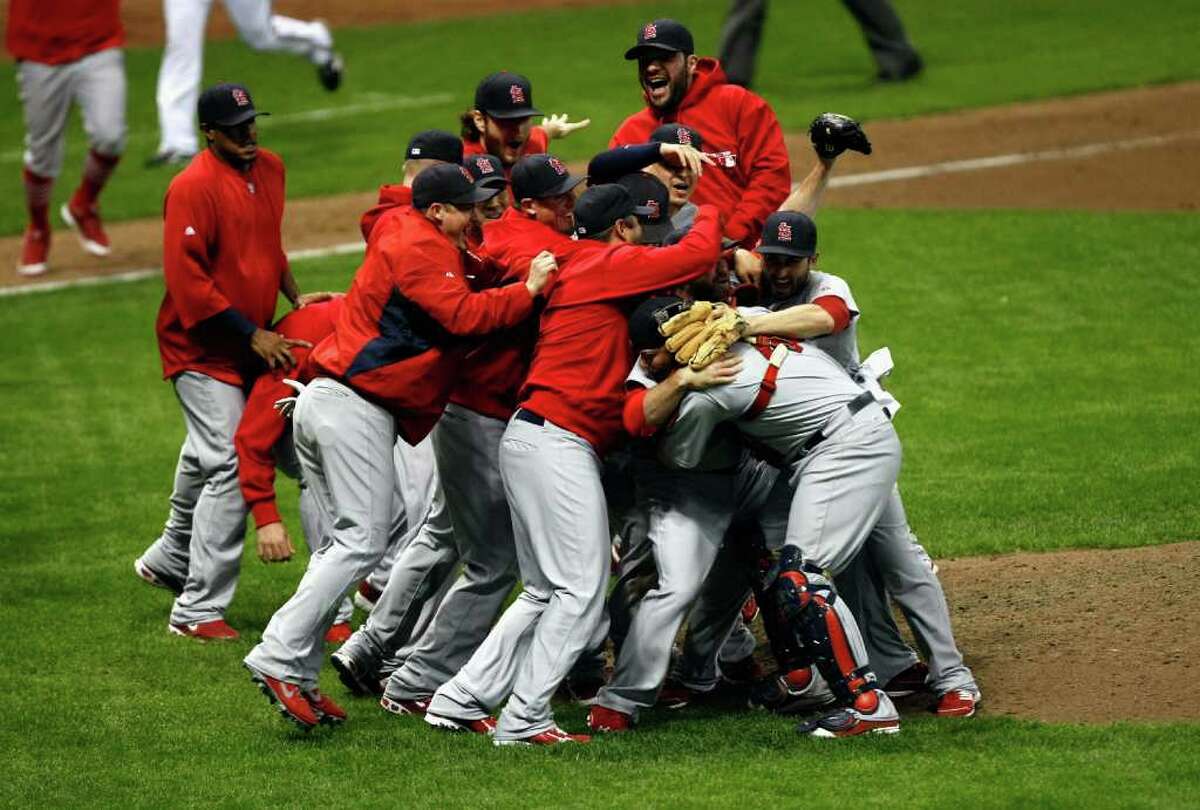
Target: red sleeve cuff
{"type": "Point", "coordinates": [265, 513]}
{"type": "Point", "coordinates": [634, 414]}
{"type": "Point", "coordinates": [837, 310]}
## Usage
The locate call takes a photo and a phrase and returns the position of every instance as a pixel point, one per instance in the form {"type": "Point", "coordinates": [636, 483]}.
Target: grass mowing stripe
{"type": "Point", "coordinates": [978, 53]}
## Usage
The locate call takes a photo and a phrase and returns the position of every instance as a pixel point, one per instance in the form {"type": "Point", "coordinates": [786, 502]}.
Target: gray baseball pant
{"type": "Point", "coordinates": [96, 83]}
{"type": "Point", "coordinates": [201, 543]}
{"type": "Point", "coordinates": [552, 481]}
{"type": "Point", "coordinates": [467, 445]}
{"type": "Point", "coordinates": [688, 515]}
{"type": "Point", "coordinates": [345, 447]}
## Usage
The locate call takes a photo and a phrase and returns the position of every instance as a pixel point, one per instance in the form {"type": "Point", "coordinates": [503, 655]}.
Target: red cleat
{"type": "Point", "coordinates": [414, 707]}
{"type": "Point", "coordinates": [324, 708]}
{"type": "Point", "coordinates": [602, 718]}
{"type": "Point", "coordinates": [750, 609]}
{"type": "Point", "coordinates": [152, 577]}
{"type": "Point", "coordinates": [87, 226]}
{"type": "Point", "coordinates": [216, 630]}
{"type": "Point", "coordinates": [956, 703]}
{"type": "Point", "coordinates": [366, 596]}
{"type": "Point", "coordinates": [35, 247]}
{"type": "Point", "coordinates": [339, 633]}
{"type": "Point", "coordinates": [908, 682]}
{"type": "Point", "coordinates": [288, 698]}
{"type": "Point", "coordinates": [484, 725]}
{"type": "Point", "coordinates": [551, 736]}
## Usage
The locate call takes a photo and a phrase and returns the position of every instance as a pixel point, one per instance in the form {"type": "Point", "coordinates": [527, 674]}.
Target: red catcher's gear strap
{"type": "Point", "coordinates": [776, 351]}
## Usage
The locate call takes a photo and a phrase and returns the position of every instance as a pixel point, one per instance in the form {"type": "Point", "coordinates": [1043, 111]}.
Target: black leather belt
{"type": "Point", "coordinates": [530, 417]}
{"type": "Point", "coordinates": [854, 406]}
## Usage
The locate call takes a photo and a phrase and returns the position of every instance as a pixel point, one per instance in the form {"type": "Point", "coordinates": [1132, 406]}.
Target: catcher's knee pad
{"type": "Point", "coordinates": [804, 601]}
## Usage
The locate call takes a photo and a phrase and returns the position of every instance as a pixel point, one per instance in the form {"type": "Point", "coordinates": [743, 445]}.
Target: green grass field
{"type": "Point", "coordinates": [1043, 409]}
{"type": "Point", "coordinates": [405, 78]}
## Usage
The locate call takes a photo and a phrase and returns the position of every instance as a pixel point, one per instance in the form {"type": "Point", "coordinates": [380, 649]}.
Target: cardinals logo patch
{"type": "Point", "coordinates": [683, 136]}
{"type": "Point", "coordinates": [484, 165]}
{"type": "Point", "coordinates": [466, 174]}
{"type": "Point", "coordinates": [239, 97]}
{"type": "Point", "coordinates": [655, 211]}
{"type": "Point", "coordinates": [517, 93]}
{"type": "Point", "coordinates": [785, 232]}
{"type": "Point", "coordinates": [650, 31]}
{"type": "Point", "coordinates": [557, 165]}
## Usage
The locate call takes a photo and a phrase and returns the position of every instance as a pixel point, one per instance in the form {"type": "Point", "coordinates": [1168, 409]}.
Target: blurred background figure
{"type": "Point", "coordinates": [67, 51]}
{"type": "Point", "coordinates": [895, 56]}
{"type": "Point", "coordinates": [183, 62]}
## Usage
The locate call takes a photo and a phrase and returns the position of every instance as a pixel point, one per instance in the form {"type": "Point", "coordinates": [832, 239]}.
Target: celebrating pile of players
{"type": "Point", "coordinates": [541, 382]}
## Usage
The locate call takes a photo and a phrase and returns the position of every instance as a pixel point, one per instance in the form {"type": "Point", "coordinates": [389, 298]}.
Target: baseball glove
{"type": "Point", "coordinates": [833, 134]}
{"type": "Point", "coordinates": [702, 333]}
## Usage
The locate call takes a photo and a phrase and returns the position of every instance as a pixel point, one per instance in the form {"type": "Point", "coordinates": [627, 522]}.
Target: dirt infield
{"type": "Point", "coordinates": [1147, 175]}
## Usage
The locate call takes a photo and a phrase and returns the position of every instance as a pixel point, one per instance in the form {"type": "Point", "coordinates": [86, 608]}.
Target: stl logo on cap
{"type": "Point", "coordinates": [683, 136]}
{"type": "Point", "coordinates": [785, 232]}
{"type": "Point", "coordinates": [240, 97]}
{"type": "Point", "coordinates": [655, 211]}
{"type": "Point", "coordinates": [650, 31]}
{"type": "Point", "coordinates": [466, 174]}
{"type": "Point", "coordinates": [484, 165]}
{"type": "Point", "coordinates": [517, 93]}
{"type": "Point", "coordinates": [557, 165]}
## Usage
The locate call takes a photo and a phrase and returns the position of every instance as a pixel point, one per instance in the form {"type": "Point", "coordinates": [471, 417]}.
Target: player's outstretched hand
{"type": "Point", "coordinates": [718, 372]}
{"type": "Point", "coordinates": [313, 298]}
{"type": "Point", "coordinates": [274, 545]}
{"type": "Point", "coordinates": [833, 134]}
{"type": "Point", "coordinates": [274, 348]}
{"type": "Point", "coordinates": [540, 269]}
{"type": "Point", "coordinates": [557, 126]}
{"type": "Point", "coordinates": [287, 405]}
{"type": "Point", "coordinates": [685, 157]}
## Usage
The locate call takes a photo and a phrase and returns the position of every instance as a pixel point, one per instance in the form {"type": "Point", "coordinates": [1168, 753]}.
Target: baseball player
{"type": "Point", "coordinates": [387, 370]}
{"type": "Point", "coordinates": [183, 61]}
{"type": "Point", "coordinates": [471, 429]}
{"type": "Point", "coordinates": [740, 130]}
{"type": "Point", "coordinates": [224, 266]}
{"type": "Point", "coordinates": [427, 148]}
{"type": "Point", "coordinates": [500, 123]}
{"type": "Point", "coordinates": [67, 51]}
{"type": "Point", "coordinates": [569, 416]}
{"type": "Point", "coordinates": [842, 457]}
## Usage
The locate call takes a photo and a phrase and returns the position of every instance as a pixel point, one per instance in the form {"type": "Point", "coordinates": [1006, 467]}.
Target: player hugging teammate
{"type": "Point", "coordinates": [519, 372]}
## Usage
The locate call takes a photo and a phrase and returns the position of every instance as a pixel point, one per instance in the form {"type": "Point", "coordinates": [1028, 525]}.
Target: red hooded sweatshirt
{"type": "Point", "coordinates": [262, 427]}
{"type": "Point", "coordinates": [400, 336]}
{"type": "Point", "coordinates": [391, 198]}
{"type": "Point", "coordinates": [55, 32]}
{"type": "Point", "coordinates": [740, 131]}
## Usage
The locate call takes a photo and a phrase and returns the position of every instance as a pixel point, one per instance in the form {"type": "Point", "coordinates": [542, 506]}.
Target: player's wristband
{"type": "Point", "coordinates": [231, 322]}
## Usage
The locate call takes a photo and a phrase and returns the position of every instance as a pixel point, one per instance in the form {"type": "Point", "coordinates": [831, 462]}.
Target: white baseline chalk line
{"type": "Point", "coordinates": [375, 102]}
{"type": "Point", "coordinates": [866, 178]}
{"type": "Point", "coordinates": [1014, 159]}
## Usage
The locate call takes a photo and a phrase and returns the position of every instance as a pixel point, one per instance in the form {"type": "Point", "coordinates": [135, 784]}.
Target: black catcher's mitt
{"type": "Point", "coordinates": [833, 134]}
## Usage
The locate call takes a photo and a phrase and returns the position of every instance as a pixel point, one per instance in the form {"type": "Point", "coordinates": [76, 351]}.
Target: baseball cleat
{"type": "Point", "coordinates": [675, 695]}
{"type": "Point", "coordinates": [908, 682]}
{"type": "Point", "coordinates": [847, 723]}
{"type": "Point", "coordinates": [602, 718]}
{"type": "Point", "coordinates": [798, 692]}
{"type": "Point", "coordinates": [215, 630]}
{"type": "Point", "coordinates": [583, 690]}
{"type": "Point", "coordinates": [750, 609]}
{"type": "Point", "coordinates": [551, 736]}
{"type": "Point", "coordinates": [288, 698]}
{"type": "Point", "coordinates": [330, 73]}
{"type": "Point", "coordinates": [366, 596]}
{"type": "Point", "coordinates": [353, 675]}
{"type": "Point", "coordinates": [152, 577]}
{"type": "Point", "coordinates": [483, 725]}
{"type": "Point", "coordinates": [956, 703]}
{"type": "Point", "coordinates": [416, 708]}
{"type": "Point", "coordinates": [169, 158]}
{"type": "Point", "coordinates": [339, 633]}
{"type": "Point", "coordinates": [324, 708]}
{"type": "Point", "coordinates": [87, 226]}
{"type": "Point", "coordinates": [35, 248]}
{"type": "Point", "coordinates": [748, 670]}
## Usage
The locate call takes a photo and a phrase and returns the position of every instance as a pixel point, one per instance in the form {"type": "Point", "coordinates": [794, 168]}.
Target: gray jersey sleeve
{"type": "Point", "coordinates": [686, 439]}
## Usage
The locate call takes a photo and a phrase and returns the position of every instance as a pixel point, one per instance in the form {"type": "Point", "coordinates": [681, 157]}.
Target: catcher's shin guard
{"type": "Point", "coordinates": [823, 628]}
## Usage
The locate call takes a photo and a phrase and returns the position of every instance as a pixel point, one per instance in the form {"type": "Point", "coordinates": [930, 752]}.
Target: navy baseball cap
{"type": "Point", "coordinates": [226, 105]}
{"type": "Point", "coordinates": [435, 144]}
{"type": "Point", "coordinates": [600, 206]}
{"type": "Point", "coordinates": [787, 233]}
{"type": "Point", "coordinates": [448, 183]}
{"type": "Point", "coordinates": [537, 176]}
{"type": "Point", "coordinates": [505, 95]}
{"type": "Point", "coordinates": [653, 201]}
{"type": "Point", "coordinates": [661, 38]}
{"type": "Point", "coordinates": [487, 170]}
{"type": "Point", "coordinates": [648, 317]}
{"type": "Point", "coordinates": [677, 133]}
